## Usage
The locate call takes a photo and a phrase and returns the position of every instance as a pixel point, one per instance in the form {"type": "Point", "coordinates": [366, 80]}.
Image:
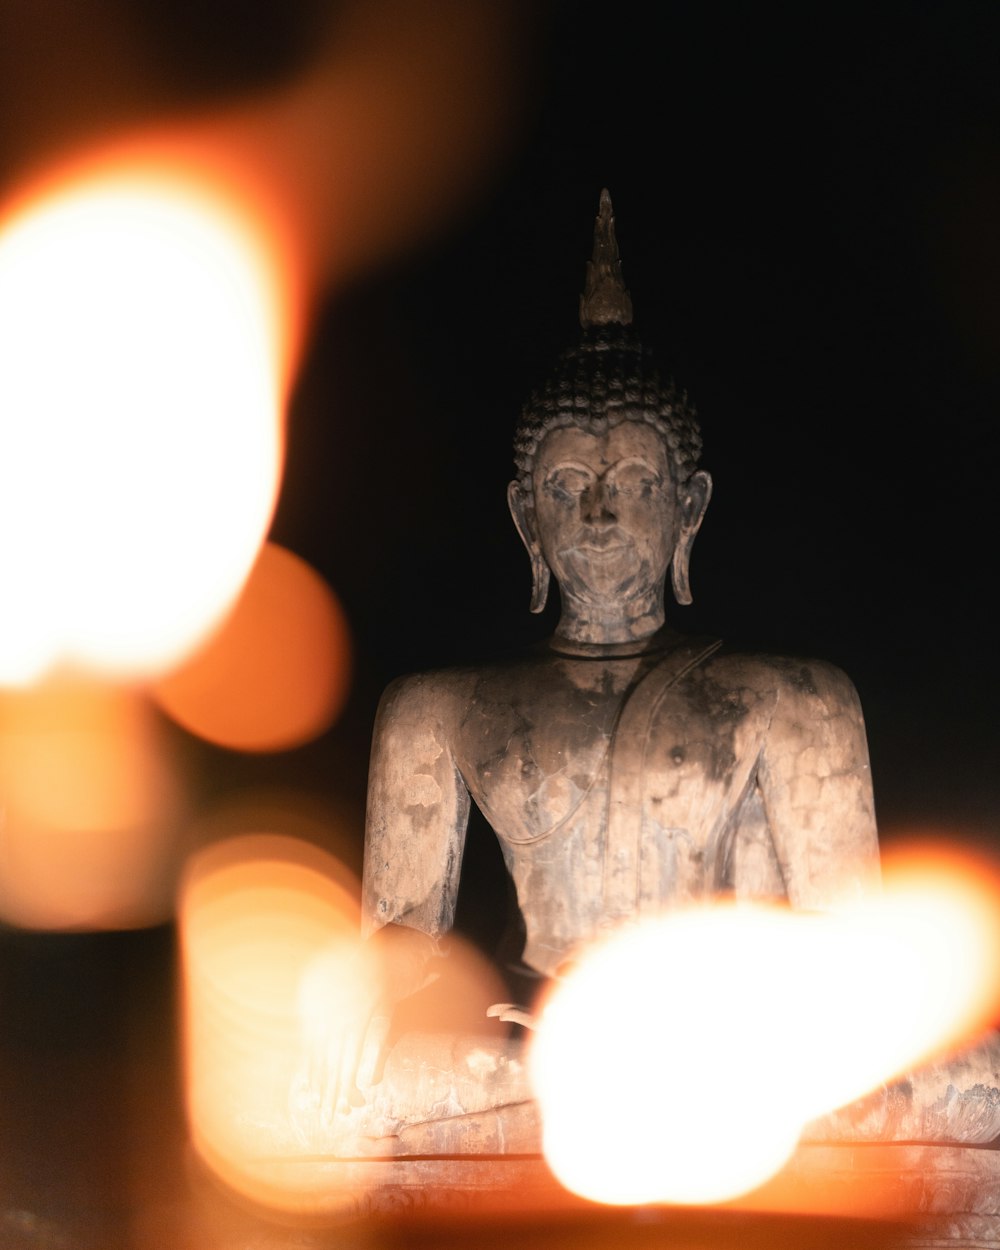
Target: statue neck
{"type": "Point", "coordinates": [598, 623]}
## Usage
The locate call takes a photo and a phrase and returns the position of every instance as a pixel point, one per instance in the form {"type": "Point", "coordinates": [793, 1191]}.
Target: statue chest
{"type": "Point", "coordinates": [598, 827]}
{"type": "Point", "coordinates": [571, 761]}
{"type": "Point", "coordinates": [531, 761]}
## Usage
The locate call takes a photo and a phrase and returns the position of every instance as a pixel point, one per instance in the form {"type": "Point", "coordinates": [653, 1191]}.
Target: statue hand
{"type": "Point", "coordinates": [346, 1001]}
{"type": "Point", "coordinates": [510, 1013]}
{"type": "Point", "coordinates": [337, 1000]}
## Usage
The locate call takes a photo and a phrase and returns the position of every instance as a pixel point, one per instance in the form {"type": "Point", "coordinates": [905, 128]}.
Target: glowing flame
{"type": "Point", "coordinates": [257, 913]}
{"type": "Point", "coordinates": [140, 443]}
{"type": "Point", "coordinates": [682, 1059]}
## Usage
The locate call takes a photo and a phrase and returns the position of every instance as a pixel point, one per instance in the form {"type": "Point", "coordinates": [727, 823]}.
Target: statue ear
{"type": "Point", "coordinates": [522, 509]}
{"type": "Point", "coordinates": [692, 502]}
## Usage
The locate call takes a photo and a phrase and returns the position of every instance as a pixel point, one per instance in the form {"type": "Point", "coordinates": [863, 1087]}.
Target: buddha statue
{"type": "Point", "coordinates": [625, 768]}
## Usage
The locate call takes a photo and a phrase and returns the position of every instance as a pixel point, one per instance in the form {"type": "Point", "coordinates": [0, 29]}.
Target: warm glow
{"type": "Point", "coordinates": [141, 369]}
{"type": "Point", "coordinates": [90, 809]}
{"type": "Point", "coordinates": [256, 914]}
{"type": "Point", "coordinates": [681, 1059]}
{"type": "Point", "coordinates": [276, 674]}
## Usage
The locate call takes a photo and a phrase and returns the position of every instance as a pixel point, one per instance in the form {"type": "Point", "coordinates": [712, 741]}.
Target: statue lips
{"type": "Point", "coordinates": [601, 543]}
{"type": "Point", "coordinates": [602, 553]}
{"type": "Point", "coordinates": [603, 561]}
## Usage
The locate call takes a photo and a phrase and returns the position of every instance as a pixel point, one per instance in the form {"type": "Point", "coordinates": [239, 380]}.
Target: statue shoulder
{"type": "Point", "coordinates": [795, 681]}
{"type": "Point", "coordinates": [432, 697]}
{"type": "Point", "coordinates": [444, 689]}
{"type": "Point", "coordinates": [451, 705]}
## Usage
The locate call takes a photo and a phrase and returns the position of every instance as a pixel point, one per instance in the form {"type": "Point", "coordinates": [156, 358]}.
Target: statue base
{"type": "Point", "coordinates": [452, 1129]}
{"type": "Point", "coordinates": [891, 1194]}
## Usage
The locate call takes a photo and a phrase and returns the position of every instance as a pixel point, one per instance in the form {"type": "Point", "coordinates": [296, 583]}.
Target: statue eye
{"type": "Point", "coordinates": [568, 481]}
{"type": "Point", "coordinates": [636, 479]}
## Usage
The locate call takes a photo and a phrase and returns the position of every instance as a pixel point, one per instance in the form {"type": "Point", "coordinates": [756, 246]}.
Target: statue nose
{"type": "Point", "coordinates": [595, 504]}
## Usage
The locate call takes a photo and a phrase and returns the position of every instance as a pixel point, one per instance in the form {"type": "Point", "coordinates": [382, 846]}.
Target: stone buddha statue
{"type": "Point", "coordinates": [624, 767]}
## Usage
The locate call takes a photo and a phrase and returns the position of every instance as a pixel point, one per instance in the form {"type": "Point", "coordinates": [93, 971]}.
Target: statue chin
{"type": "Point", "coordinates": [602, 578]}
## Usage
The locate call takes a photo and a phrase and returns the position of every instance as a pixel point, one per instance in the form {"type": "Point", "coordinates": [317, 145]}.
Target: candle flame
{"type": "Point", "coordinates": [680, 1061]}
{"type": "Point", "coordinates": [141, 367]}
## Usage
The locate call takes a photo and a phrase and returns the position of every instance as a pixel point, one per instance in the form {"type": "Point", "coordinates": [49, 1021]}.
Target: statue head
{"type": "Point", "coordinates": [608, 492]}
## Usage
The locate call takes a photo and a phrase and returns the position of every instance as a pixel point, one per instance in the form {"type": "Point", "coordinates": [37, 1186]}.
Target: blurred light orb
{"type": "Point", "coordinates": [140, 437]}
{"type": "Point", "coordinates": [653, 1066]}
{"type": "Point", "coordinates": [91, 804]}
{"type": "Point", "coordinates": [681, 1059]}
{"type": "Point", "coordinates": [276, 673]}
{"type": "Point", "coordinates": [255, 914]}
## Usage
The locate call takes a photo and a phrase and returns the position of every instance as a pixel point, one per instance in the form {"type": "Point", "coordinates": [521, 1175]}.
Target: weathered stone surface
{"type": "Point", "coordinates": [953, 1100]}
{"type": "Point", "coordinates": [747, 773]}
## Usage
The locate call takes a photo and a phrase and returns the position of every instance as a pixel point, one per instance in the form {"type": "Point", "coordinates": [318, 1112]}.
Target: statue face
{"type": "Point", "coordinates": [605, 508]}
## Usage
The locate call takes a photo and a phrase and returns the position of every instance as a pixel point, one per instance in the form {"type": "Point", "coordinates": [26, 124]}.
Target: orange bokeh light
{"type": "Point", "coordinates": [143, 358]}
{"type": "Point", "coordinates": [276, 673]}
{"type": "Point", "coordinates": [256, 914]}
{"type": "Point", "coordinates": [91, 809]}
{"type": "Point", "coordinates": [681, 1059]}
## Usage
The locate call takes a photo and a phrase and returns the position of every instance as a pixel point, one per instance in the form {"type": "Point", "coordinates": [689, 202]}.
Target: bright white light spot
{"type": "Point", "coordinates": [642, 1060]}
{"type": "Point", "coordinates": [681, 1060]}
{"type": "Point", "coordinates": [139, 424]}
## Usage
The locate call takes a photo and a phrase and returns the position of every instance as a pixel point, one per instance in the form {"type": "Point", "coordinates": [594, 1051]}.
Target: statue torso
{"type": "Point", "coordinates": [744, 773]}
{"type": "Point", "coordinates": [540, 747]}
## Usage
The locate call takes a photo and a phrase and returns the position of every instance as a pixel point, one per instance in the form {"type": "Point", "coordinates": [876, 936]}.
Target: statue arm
{"type": "Point", "coordinates": [815, 782]}
{"type": "Point", "coordinates": [417, 812]}
{"type": "Point", "coordinates": [418, 809]}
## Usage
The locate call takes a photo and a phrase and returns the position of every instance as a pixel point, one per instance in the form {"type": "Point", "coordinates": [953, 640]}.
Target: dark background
{"type": "Point", "coordinates": [808, 207]}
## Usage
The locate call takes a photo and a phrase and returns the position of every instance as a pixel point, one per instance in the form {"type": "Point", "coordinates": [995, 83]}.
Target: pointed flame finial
{"type": "Point", "coordinates": [604, 300]}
